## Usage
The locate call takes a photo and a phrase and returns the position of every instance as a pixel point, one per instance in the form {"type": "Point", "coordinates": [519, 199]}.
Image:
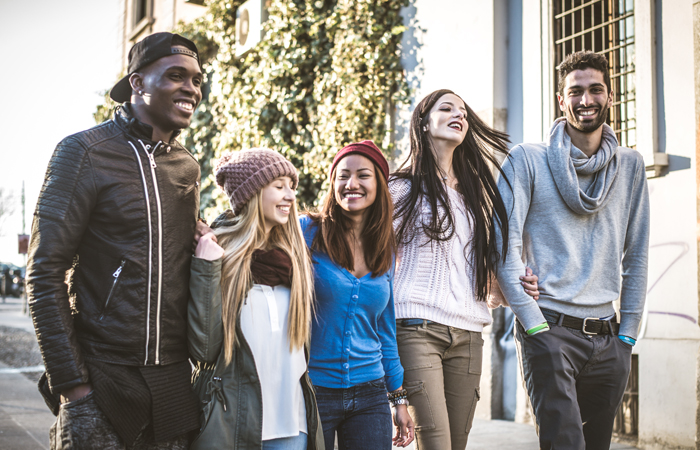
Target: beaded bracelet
{"type": "Point", "coordinates": [398, 397]}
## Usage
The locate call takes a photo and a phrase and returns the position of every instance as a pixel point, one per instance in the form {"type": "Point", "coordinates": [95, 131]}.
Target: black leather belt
{"type": "Point", "coordinates": [589, 325]}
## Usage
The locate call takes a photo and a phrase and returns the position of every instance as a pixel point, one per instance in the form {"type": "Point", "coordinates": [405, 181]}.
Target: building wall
{"type": "Point", "coordinates": [164, 15]}
{"type": "Point", "coordinates": [671, 338]}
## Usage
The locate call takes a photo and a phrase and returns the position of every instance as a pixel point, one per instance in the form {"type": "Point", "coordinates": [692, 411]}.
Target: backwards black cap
{"type": "Point", "coordinates": [148, 50]}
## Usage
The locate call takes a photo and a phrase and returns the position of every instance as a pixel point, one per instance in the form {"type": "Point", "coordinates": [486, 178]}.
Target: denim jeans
{"type": "Point", "coordinates": [287, 443]}
{"type": "Point", "coordinates": [81, 425]}
{"type": "Point", "coordinates": [360, 415]}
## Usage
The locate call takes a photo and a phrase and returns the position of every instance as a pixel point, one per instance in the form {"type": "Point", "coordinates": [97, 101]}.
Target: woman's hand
{"type": "Point", "coordinates": [404, 426]}
{"type": "Point", "coordinates": [207, 248]}
{"type": "Point", "coordinates": [529, 283]}
{"type": "Point", "coordinates": [200, 230]}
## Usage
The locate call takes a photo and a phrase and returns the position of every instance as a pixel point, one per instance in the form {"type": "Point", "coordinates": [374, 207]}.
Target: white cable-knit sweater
{"type": "Point", "coordinates": [435, 280]}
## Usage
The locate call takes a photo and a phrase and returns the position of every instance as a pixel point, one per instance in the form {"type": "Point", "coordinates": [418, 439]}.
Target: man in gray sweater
{"type": "Point", "coordinates": [580, 220]}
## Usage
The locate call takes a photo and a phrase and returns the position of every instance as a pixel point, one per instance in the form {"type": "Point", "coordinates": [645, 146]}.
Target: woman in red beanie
{"type": "Point", "coordinates": [354, 362]}
{"type": "Point", "coordinates": [446, 208]}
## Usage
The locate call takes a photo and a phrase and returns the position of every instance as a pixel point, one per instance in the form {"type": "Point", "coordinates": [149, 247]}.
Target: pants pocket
{"type": "Point", "coordinates": [476, 350]}
{"type": "Point", "coordinates": [413, 348]}
{"type": "Point", "coordinates": [419, 405]}
{"type": "Point", "coordinates": [475, 400]}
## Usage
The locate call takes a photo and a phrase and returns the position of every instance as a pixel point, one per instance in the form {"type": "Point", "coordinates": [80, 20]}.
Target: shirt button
{"type": "Point", "coordinates": [346, 365]}
{"type": "Point", "coordinates": [347, 350]}
{"type": "Point", "coordinates": [354, 296]}
{"type": "Point", "coordinates": [347, 333]}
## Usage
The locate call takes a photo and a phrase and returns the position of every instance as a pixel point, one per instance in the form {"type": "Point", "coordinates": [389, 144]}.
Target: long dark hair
{"type": "Point", "coordinates": [472, 163]}
{"type": "Point", "coordinates": [378, 238]}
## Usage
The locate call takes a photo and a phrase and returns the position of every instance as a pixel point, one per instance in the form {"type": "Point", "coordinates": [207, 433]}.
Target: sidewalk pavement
{"type": "Point", "coordinates": [25, 419]}
{"type": "Point", "coordinates": [11, 315]}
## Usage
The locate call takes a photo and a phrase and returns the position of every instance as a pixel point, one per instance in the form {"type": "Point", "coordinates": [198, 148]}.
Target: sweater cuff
{"type": "Point", "coordinates": [529, 315]}
{"type": "Point", "coordinates": [629, 327]}
{"type": "Point", "coordinates": [395, 380]}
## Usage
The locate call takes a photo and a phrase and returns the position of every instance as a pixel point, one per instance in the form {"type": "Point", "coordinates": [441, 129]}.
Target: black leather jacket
{"type": "Point", "coordinates": [121, 210]}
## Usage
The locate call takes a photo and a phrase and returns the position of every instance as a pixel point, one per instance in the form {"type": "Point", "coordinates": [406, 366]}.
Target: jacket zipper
{"type": "Point", "coordinates": [160, 243]}
{"type": "Point", "coordinates": [114, 285]}
{"type": "Point", "coordinates": [150, 248]}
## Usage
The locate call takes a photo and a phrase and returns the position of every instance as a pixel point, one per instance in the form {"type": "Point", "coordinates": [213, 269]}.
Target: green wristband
{"type": "Point", "coordinates": [538, 328]}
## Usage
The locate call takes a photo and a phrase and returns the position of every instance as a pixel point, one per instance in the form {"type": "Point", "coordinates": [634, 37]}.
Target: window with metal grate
{"type": "Point", "coordinates": [606, 27]}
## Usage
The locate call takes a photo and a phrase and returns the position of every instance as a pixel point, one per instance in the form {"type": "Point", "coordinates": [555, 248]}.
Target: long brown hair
{"type": "Point", "coordinates": [378, 238]}
{"type": "Point", "coordinates": [472, 163]}
{"type": "Point", "coordinates": [240, 237]}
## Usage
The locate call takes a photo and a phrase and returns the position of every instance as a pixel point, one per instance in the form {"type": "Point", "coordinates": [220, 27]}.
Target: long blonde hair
{"type": "Point", "coordinates": [239, 240]}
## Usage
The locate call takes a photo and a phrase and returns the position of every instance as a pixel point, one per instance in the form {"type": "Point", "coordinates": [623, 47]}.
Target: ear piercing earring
{"type": "Point", "coordinates": [425, 127]}
{"type": "Point", "coordinates": [140, 92]}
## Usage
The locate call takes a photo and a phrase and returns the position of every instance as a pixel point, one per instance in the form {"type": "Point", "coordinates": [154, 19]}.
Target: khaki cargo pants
{"type": "Point", "coordinates": [442, 371]}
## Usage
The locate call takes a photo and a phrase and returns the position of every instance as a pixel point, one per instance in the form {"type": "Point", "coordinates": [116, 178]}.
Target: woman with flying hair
{"type": "Point", "coordinates": [354, 363]}
{"type": "Point", "coordinates": [250, 313]}
{"type": "Point", "coordinates": [446, 208]}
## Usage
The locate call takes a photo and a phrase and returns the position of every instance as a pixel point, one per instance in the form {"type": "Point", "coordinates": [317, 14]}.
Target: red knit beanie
{"type": "Point", "coordinates": [364, 148]}
{"type": "Point", "coordinates": [242, 174]}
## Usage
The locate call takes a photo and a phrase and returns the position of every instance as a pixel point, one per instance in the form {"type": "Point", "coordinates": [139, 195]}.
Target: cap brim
{"type": "Point", "coordinates": [121, 92]}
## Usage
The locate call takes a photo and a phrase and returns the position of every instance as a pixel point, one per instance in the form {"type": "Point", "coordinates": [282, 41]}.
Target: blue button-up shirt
{"type": "Point", "coordinates": [353, 336]}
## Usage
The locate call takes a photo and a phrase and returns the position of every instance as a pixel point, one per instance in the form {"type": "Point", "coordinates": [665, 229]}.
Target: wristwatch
{"type": "Point", "coordinates": [399, 401]}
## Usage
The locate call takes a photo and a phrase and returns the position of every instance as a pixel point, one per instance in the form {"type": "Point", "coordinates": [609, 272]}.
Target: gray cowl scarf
{"type": "Point", "coordinates": [566, 161]}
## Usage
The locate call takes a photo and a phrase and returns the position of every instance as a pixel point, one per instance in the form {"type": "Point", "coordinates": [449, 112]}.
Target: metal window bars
{"type": "Point", "coordinates": [606, 27]}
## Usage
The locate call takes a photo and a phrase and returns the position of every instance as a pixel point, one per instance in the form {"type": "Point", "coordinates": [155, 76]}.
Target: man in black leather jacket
{"type": "Point", "coordinates": [116, 217]}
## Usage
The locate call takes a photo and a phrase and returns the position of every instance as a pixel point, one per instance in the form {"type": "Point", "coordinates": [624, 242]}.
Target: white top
{"type": "Point", "coordinates": [435, 280]}
{"type": "Point", "coordinates": [264, 324]}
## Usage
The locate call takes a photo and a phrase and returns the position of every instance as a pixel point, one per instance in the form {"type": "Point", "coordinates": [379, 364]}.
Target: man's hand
{"type": "Point", "coordinates": [76, 393]}
{"type": "Point", "coordinates": [404, 426]}
{"type": "Point", "coordinates": [201, 229]}
{"type": "Point", "coordinates": [529, 283]}
{"type": "Point", "coordinates": [207, 248]}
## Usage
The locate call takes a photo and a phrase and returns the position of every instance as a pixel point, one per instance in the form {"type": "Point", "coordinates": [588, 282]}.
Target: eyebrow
{"type": "Point", "coordinates": [348, 170]}
{"type": "Point", "coordinates": [183, 69]}
{"type": "Point", "coordinates": [576, 86]}
{"type": "Point", "coordinates": [452, 104]}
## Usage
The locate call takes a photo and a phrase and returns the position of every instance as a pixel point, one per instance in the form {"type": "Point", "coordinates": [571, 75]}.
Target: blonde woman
{"type": "Point", "coordinates": [249, 316]}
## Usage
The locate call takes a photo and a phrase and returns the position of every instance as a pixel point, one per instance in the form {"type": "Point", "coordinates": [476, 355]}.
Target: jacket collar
{"type": "Point", "coordinates": [124, 117]}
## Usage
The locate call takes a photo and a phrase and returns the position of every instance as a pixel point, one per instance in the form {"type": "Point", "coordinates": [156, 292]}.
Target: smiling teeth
{"type": "Point", "coordinates": [284, 208]}
{"type": "Point", "coordinates": [456, 126]}
{"type": "Point", "coordinates": [185, 105]}
{"type": "Point", "coordinates": [586, 113]}
{"type": "Point", "coordinates": [353, 195]}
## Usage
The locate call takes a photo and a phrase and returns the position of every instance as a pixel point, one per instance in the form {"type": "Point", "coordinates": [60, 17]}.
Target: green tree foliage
{"type": "Point", "coordinates": [327, 73]}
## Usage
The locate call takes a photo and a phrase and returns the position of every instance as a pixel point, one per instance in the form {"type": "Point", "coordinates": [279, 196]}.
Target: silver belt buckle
{"type": "Point", "coordinates": [584, 325]}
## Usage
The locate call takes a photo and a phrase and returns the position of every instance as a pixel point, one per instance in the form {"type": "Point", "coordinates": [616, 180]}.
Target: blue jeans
{"type": "Point", "coordinates": [287, 443]}
{"type": "Point", "coordinates": [360, 415]}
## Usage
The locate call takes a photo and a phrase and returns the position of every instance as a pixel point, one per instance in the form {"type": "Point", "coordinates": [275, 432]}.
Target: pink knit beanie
{"type": "Point", "coordinates": [242, 174]}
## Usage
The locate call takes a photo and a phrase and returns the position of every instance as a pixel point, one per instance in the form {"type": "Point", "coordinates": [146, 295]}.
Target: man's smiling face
{"type": "Point", "coordinates": [172, 89]}
{"type": "Point", "coordinates": [585, 100]}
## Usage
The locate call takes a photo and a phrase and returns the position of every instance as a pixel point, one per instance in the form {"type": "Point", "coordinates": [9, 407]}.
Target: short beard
{"type": "Point", "coordinates": [589, 128]}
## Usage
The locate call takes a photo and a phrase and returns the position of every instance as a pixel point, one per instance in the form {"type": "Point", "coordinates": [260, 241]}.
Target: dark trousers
{"type": "Point", "coordinates": [81, 425]}
{"type": "Point", "coordinates": [575, 382]}
{"type": "Point", "coordinates": [360, 415]}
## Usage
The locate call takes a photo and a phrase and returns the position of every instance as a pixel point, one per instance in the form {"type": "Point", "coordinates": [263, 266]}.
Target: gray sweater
{"type": "Point", "coordinates": [584, 261]}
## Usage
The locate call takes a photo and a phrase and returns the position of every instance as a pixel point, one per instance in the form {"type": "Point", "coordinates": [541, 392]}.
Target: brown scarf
{"type": "Point", "coordinates": [272, 268]}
